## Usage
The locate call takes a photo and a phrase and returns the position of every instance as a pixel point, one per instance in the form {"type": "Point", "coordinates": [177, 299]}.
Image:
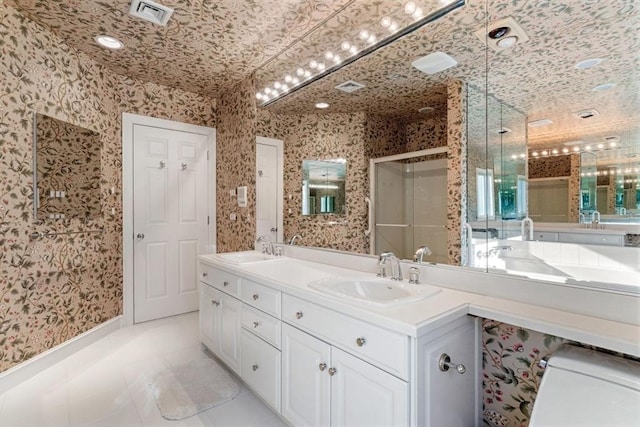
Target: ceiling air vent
{"type": "Point", "coordinates": [150, 11]}
{"type": "Point", "coordinates": [349, 86]}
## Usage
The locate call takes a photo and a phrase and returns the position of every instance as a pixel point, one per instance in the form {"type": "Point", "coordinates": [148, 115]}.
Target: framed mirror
{"type": "Point", "coordinates": [66, 170]}
{"type": "Point", "coordinates": [323, 187]}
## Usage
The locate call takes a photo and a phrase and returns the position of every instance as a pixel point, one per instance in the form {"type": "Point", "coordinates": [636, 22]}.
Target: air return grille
{"type": "Point", "coordinates": [150, 11]}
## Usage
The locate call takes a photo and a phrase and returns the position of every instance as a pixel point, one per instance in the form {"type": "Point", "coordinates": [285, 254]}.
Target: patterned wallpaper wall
{"type": "Point", "coordinates": [68, 160]}
{"type": "Point", "coordinates": [53, 289]}
{"type": "Point", "coordinates": [511, 375]}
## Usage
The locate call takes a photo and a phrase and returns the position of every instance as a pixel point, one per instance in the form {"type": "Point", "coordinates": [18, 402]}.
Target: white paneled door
{"type": "Point", "coordinates": [269, 188]}
{"type": "Point", "coordinates": [170, 219]}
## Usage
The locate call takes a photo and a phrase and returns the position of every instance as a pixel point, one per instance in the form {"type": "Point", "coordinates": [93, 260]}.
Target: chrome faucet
{"type": "Point", "coordinates": [293, 239]}
{"type": "Point", "coordinates": [595, 217]}
{"type": "Point", "coordinates": [421, 252]}
{"type": "Point", "coordinates": [396, 270]}
{"type": "Point", "coordinates": [267, 244]}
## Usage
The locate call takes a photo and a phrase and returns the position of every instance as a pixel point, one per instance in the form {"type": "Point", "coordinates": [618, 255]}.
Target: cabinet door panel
{"type": "Point", "coordinates": [305, 387]}
{"type": "Point", "coordinates": [207, 317]}
{"type": "Point", "coordinates": [448, 398]}
{"type": "Point", "coordinates": [229, 332]}
{"type": "Point", "coordinates": [365, 396]}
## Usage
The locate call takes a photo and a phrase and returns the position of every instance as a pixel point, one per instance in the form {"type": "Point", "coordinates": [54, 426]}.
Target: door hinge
{"type": "Point", "coordinates": [208, 220]}
{"type": "Point", "coordinates": [207, 154]}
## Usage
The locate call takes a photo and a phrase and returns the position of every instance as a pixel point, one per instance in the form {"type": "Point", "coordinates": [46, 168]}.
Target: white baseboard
{"type": "Point", "coordinates": [19, 373]}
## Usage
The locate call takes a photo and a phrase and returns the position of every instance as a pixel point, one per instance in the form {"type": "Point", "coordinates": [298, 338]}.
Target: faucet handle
{"type": "Point", "coordinates": [414, 276]}
{"type": "Point", "coordinates": [382, 269]}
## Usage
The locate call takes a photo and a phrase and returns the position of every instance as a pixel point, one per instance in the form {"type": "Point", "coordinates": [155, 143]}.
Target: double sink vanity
{"type": "Point", "coordinates": [324, 341]}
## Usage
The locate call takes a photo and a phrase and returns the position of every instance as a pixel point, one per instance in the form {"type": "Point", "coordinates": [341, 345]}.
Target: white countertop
{"type": "Point", "coordinates": [292, 275]}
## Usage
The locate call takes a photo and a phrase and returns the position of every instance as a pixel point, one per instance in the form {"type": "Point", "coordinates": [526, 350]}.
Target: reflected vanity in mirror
{"type": "Point", "coordinates": [323, 186]}
{"type": "Point", "coordinates": [66, 170]}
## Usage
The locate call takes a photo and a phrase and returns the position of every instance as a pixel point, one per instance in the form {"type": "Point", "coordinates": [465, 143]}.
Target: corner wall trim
{"type": "Point", "coordinates": [22, 372]}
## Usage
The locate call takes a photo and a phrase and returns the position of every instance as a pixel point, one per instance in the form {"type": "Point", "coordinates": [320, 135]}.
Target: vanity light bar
{"type": "Point", "coordinates": [367, 42]}
{"type": "Point", "coordinates": [574, 150]}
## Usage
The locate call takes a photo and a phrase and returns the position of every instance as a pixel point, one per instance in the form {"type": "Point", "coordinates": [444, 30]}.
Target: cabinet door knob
{"type": "Point", "coordinates": [205, 274]}
{"type": "Point", "coordinates": [361, 341]}
{"type": "Point", "coordinates": [299, 315]}
{"type": "Point", "coordinates": [445, 363]}
{"type": "Point", "coordinates": [255, 297]}
{"type": "Point", "coordinates": [225, 283]}
{"type": "Point", "coordinates": [254, 367]}
{"type": "Point", "coordinates": [322, 366]}
{"type": "Point", "coordinates": [214, 302]}
{"type": "Point", "coordinates": [332, 371]}
{"type": "Point", "coordinates": [256, 324]}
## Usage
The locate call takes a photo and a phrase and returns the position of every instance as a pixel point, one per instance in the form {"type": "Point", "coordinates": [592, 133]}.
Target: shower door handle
{"type": "Point", "coordinates": [368, 230]}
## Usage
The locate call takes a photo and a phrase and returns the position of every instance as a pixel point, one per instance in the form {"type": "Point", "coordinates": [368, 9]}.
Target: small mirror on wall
{"type": "Point", "coordinates": [323, 186]}
{"type": "Point", "coordinates": [66, 170]}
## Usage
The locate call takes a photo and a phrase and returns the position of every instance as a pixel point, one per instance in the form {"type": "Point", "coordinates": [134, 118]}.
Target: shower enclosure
{"type": "Point", "coordinates": [409, 204]}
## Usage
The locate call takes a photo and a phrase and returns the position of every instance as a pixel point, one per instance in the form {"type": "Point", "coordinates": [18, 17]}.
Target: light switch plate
{"type": "Point", "coordinates": [242, 196]}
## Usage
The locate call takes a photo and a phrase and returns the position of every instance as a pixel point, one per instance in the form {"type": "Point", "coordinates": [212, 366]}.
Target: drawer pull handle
{"type": "Point", "coordinates": [214, 302]}
{"type": "Point", "coordinates": [256, 324]}
{"type": "Point", "coordinates": [225, 283]}
{"type": "Point", "coordinates": [255, 297]}
{"type": "Point", "coordinates": [205, 274]}
{"type": "Point", "coordinates": [445, 363]}
{"type": "Point", "coordinates": [361, 341]}
{"type": "Point", "coordinates": [254, 367]}
{"type": "Point", "coordinates": [299, 315]}
{"type": "Point", "coordinates": [322, 366]}
{"type": "Point", "coordinates": [332, 371]}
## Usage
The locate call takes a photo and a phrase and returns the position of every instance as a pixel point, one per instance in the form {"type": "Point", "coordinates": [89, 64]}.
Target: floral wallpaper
{"type": "Point", "coordinates": [68, 159]}
{"type": "Point", "coordinates": [456, 167]}
{"type": "Point", "coordinates": [55, 288]}
{"type": "Point", "coordinates": [511, 375]}
{"type": "Point", "coordinates": [236, 166]}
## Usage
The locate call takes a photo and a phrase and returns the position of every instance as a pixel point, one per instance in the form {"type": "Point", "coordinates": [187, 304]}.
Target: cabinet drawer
{"type": "Point", "coordinates": [261, 324]}
{"type": "Point", "coordinates": [592, 239]}
{"type": "Point", "coordinates": [261, 368]}
{"type": "Point", "coordinates": [545, 236]}
{"type": "Point", "coordinates": [262, 297]}
{"type": "Point", "coordinates": [219, 279]}
{"type": "Point", "coordinates": [381, 347]}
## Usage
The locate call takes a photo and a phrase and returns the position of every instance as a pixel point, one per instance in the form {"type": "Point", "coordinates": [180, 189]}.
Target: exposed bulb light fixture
{"type": "Point", "coordinates": [409, 8]}
{"type": "Point", "coordinates": [109, 42]}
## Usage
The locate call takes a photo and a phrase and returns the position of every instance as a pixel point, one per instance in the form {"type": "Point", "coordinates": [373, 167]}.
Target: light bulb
{"type": "Point", "coordinates": [385, 22]}
{"type": "Point", "coordinates": [313, 64]}
{"type": "Point", "coordinates": [534, 154]}
{"type": "Point", "coordinates": [601, 146]}
{"type": "Point", "coordinates": [268, 90]}
{"type": "Point", "coordinates": [288, 78]}
{"type": "Point", "coordinates": [277, 85]}
{"type": "Point", "coordinates": [328, 55]}
{"type": "Point", "coordinates": [554, 151]}
{"type": "Point", "coordinates": [393, 27]}
{"type": "Point", "coordinates": [588, 148]}
{"type": "Point", "coordinates": [409, 8]}
{"type": "Point", "coordinates": [345, 46]}
{"type": "Point", "coordinates": [300, 72]}
{"type": "Point", "coordinates": [321, 66]}
{"type": "Point", "coordinates": [565, 150]}
{"type": "Point", "coordinates": [364, 34]}
{"type": "Point", "coordinates": [545, 152]}
{"type": "Point", "coordinates": [371, 39]}
{"type": "Point", "coordinates": [353, 50]}
{"type": "Point", "coordinates": [417, 14]}
{"type": "Point", "coordinates": [576, 149]}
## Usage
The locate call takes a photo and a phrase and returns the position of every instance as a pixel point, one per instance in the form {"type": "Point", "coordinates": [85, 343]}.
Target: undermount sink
{"type": "Point", "coordinates": [374, 291]}
{"type": "Point", "coordinates": [245, 257]}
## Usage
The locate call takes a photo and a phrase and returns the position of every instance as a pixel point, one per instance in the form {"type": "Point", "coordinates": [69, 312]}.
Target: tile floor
{"type": "Point", "coordinates": [106, 384]}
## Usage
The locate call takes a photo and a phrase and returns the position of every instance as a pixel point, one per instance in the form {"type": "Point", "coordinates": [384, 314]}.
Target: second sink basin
{"type": "Point", "coordinates": [244, 257]}
{"type": "Point", "coordinates": [374, 291]}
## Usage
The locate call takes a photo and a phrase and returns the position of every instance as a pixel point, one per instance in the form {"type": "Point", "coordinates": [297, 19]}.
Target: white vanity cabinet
{"type": "Point", "coordinates": [220, 316]}
{"type": "Point", "coordinates": [323, 385]}
{"type": "Point", "coordinates": [448, 395]}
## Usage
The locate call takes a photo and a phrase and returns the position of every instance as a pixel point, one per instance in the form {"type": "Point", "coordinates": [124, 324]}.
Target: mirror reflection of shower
{"type": "Point", "coordinates": [409, 193]}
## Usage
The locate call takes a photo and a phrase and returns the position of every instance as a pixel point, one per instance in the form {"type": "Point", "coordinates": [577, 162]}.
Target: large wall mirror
{"type": "Point", "coordinates": [66, 176]}
{"type": "Point", "coordinates": [555, 84]}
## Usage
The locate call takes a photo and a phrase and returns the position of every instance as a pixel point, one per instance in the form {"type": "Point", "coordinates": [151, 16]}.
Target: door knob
{"type": "Point", "coordinates": [332, 371]}
{"type": "Point", "coordinates": [140, 236]}
{"type": "Point", "coordinates": [274, 229]}
{"type": "Point", "coordinates": [322, 366]}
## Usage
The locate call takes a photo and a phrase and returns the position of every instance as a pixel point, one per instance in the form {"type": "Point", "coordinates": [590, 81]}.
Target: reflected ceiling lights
{"type": "Point", "coordinates": [540, 123]}
{"type": "Point", "coordinates": [575, 147]}
{"type": "Point", "coordinates": [322, 105]}
{"type": "Point", "coordinates": [380, 33]}
{"type": "Point", "coordinates": [109, 42]}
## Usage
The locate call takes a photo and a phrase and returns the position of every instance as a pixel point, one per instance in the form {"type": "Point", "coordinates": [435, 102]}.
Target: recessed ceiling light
{"type": "Point", "coordinates": [322, 105]}
{"type": "Point", "coordinates": [541, 122]}
{"type": "Point", "coordinates": [507, 42]}
{"type": "Point", "coordinates": [588, 63]}
{"type": "Point", "coordinates": [434, 63]}
{"type": "Point", "coordinates": [604, 87]}
{"type": "Point", "coordinates": [109, 42]}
